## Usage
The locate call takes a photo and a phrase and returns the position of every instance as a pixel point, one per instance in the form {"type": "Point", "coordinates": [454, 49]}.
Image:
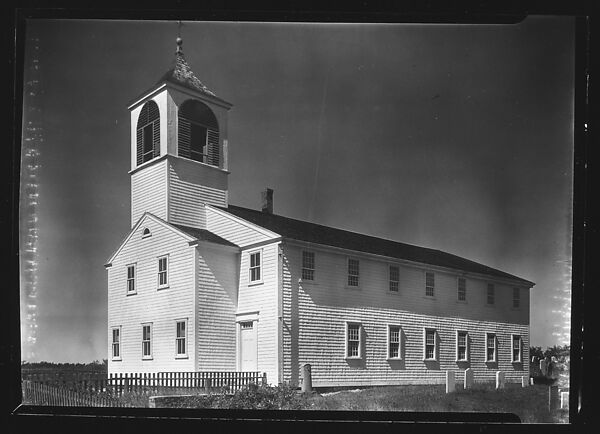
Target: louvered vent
{"type": "Point", "coordinates": [198, 133]}
{"type": "Point", "coordinates": [148, 133]}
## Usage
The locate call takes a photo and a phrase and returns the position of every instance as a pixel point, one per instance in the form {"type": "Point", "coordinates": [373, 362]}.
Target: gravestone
{"type": "Point", "coordinates": [552, 397]}
{"type": "Point", "coordinates": [564, 399]}
{"type": "Point", "coordinates": [544, 367]}
{"type": "Point", "coordinates": [499, 380]}
{"type": "Point", "coordinates": [450, 383]}
{"type": "Point", "coordinates": [468, 378]}
{"type": "Point", "coordinates": [524, 381]}
{"type": "Point", "coordinates": [306, 378]}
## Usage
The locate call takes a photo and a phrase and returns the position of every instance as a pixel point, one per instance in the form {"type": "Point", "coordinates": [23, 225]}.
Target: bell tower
{"type": "Point", "coordinates": [178, 148]}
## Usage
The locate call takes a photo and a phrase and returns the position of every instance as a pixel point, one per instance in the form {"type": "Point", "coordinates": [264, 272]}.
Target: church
{"type": "Point", "coordinates": [199, 284]}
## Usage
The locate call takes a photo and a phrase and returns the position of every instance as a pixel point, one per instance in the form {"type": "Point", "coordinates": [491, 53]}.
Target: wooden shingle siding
{"type": "Point", "coordinates": [191, 188]}
{"type": "Point", "coordinates": [150, 305]}
{"type": "Point", "coordinates": [149, 191]}
{"type": "Point", "coordinates": [315, 315]}
{"type": "Point", "coordinates": [230, 229]}
{"type": "Point", "coordinates": [217, 287]}
{"type": "Point", "coordinates": [262, 298]}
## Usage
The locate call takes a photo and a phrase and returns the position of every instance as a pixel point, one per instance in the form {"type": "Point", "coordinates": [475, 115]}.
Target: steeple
{"type": "Point", "coordinates": [178, 148]}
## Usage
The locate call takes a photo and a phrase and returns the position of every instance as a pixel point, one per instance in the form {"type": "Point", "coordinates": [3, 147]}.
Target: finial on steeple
{"type": "Point", "coordinates": [179, 41]}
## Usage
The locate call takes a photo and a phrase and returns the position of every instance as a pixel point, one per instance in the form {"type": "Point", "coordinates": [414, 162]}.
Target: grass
{"type": "Point", "coordinates": [529, 404]}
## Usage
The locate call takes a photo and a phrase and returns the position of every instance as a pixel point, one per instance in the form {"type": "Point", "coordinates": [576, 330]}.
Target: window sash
{"type": "Point", "coordinates": [131, 278]}
{"type": "Point", "coordinates": [181, 334]}
{"type": "Point", "coordinates": [146, 341]}
{"type": "Point", "coordinates": [308, 265]}
{"type": "Point", "coordinates": [255, 266]}
{"type": "Point", "coordinates": [490, 347]}
{"type": "Point", "coordinates": [353, 272]}
{"type": "Point", "coordinates": [461, 346]}
{"type": "Point", "coordinates": [353, 340]}
{"type": "Point", "coordinates": [116, 341]}
{"type": "Point", "coordinates": [394, 278]}
{"type": "Point", "coordinates": [163, 269]}
{"type": "Point", "coordinates": [429, 344]}
{"type": "Point", "coordinates": [490, 293]}
{"type": "Point", "coordinates": [462, 289]}
{"type": "Point", "coordinates": [516, 349]}
{"type": "Point", "coordinates": [394, 343]}
{"type": "Point", "coordinates": [429, 284]}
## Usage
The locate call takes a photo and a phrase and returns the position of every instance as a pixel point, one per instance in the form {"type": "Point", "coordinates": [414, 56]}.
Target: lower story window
{"type": "Point", "coordinates": [516, 348]}
{"type": "Point", "coordinates": [353, 340]}
{"type": "Point", "coordinates": [430, 344]}
{"type": "Point", "coordinates": [180, 340]}
{"type": "Point", "coordinates": [394, 342]}
{"type": "Point", "coordinates": [147, 341]}
{"type": "Point", "coordinates": [116, 343]}
{"type": "Point", "coordinates": [462, 343]}
{"type": "Point", "coordinates": [490, 344]}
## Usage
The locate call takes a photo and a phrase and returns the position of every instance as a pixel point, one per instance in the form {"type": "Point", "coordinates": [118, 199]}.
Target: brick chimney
{"type": "Point", "coordinates": [267, 201]}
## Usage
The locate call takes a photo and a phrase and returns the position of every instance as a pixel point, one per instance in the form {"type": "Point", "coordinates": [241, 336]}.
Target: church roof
{"type": "Point", "coordinates": [181, 74]}
{"type": "Point", "coordinates": [325, 235]}
{"type": "Point", "coordinates": [203, 235]}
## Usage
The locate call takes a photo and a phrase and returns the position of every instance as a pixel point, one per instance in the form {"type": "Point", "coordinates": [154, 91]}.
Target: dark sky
{"type": "Point", "coordinates": [455, 137]}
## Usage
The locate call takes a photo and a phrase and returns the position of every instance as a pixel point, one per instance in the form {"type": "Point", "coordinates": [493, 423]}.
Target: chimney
{"type": "Point", "coordinates": [267, 201]}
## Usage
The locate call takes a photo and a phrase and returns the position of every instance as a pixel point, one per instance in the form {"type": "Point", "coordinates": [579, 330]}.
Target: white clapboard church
{"type": "Point", "coordinates": [199, 284]}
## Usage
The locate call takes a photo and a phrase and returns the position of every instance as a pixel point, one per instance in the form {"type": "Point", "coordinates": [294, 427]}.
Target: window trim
{"type": "Point", "coordinates": [493, 294]}
{"type": "Point", "coordinates": [435, 344]}
{"type": "Point", "coordinates": [146, 232]}
{"type": "Point", "coordinates": [347, 325]}
{"type": "Point", "coordinates": [166, 271]}
{"type": "Point", "coordinates": [516, 291]}
{"type": "Point", "coordinates": [348, 259]}
{"type": "Point", "coordinates": [184, 355]}
{"type": "Point", "coordinates": [313, 269]}
{"type": "Point", "coordinates": [150, 340]}
{"type": "Point", "coordinates": [512, 349]}
{"type": "Point", "coordinates": [495, 358]}
{"type": "Point", "coordinates": [112, 350]}
{"type": "Point", "coordinates": [467, 346]}
{"type": "Point", "coordinates": [389, 341]}
{"type": "Point", "coordinates": [425, 282]}
{"type": "Point", "coordinates": [458, 291]}
{"type": "Point", "coordinates": [390, 281]}
{"type": "Point", "coordinates": [134, 279]}
{"type": "Point", "coordinates": [260, 267]}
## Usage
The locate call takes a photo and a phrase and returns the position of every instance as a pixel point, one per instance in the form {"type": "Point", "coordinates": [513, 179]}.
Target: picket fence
{"type": "Point", "coordinates": [43, 394]}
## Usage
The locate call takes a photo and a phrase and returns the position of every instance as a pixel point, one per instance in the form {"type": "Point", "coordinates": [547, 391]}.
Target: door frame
{"type": "Point", "coordinates": [245, 317]}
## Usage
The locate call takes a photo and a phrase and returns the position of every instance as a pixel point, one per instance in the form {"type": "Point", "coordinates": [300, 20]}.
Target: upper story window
{"type": "Point", "coordinates": [516, 297]}
{"type": "Point", "coordinates": [131, 279]}
{"type": "Point", "coordinates": [394, 278]}
{"type": "Point", "coordinates": [198, 133]}
{"type": "Point", "coordinates": [491, 296]}
{"type": "Point", "coordinates": [462, 289]}
{"type": "Point", "coordinates": [308, 265]}
{"type": "Point", "coordinates": [163, 271]}
{"type": "Point", "coordinates": [353, 271]}
{"type": "Point", "coordinates": [254, 270]}
{"type": "Point", "coordinates": [353, 340]}
{"type": "Point", "coordinates": [429, 284]}
{"type": "Point", "coordinates": [490, 347]}
{"type": "Point", "coordinates": [148, 133]}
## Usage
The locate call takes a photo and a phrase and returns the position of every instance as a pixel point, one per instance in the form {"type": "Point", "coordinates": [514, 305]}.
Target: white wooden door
{"type": "Point", "coordinates": [248, 345]}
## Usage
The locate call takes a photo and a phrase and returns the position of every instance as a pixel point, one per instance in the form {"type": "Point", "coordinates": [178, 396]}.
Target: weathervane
{"type": "Point", "coordinates": [179, 40]}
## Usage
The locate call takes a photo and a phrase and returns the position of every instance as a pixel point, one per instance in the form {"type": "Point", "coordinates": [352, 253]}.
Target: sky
{"type": "Point", "coordinates": [454, 137]}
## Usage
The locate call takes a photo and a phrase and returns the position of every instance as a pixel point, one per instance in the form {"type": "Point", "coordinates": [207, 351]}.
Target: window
{"type": "Point", "coordinates": [146, 341]}
{"type": "Point", "coordinates": [516, 298]}
{"type": "Point", "coordinates": [353, 342]}
{"type": "Point", "coordinates": [131, 279]}
{"type": "Point", "coordinates": [148, 133]}
{"type": "Point", "coordinates": [246, 325]}
{"type": "Point", "coordinates": [430, 344]}
{"type": "Point", "coordinates": [429, 284]}
{"type": "Point", "coordinates": [308, 266]}
{"type": "Point", "coordinates": [490, 293]}
{"type": "Point", "coordinates": [490, 345]}
{"type": "Point", "coordinates": [462, 289]}
{"type": "Point", "coordinates": [180, 338]}
{"type": "Point", "coordinates": [163, 271]}
{"type": "Point", "coordinates": [516, 348]}
{"type": "Point", "coordinates": [198, 133]}
{"type": "Point", "coordinates": [462, 346]}
{"type": "Point", "coordinates": [116, 343]}
{"type": "Point", "coordinates": [394, 342]}
{"type": "Point", "coordinates": [255, 267]}
{"type": "Point", "coordinates": [394, 278]}
{"type": "Point", "coordinates": [146, 233]}
{"type": "Point", "coordinates": [353, 271]}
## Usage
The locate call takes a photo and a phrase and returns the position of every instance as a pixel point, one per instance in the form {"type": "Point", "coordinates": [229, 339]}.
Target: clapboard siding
{"type": "Point", "coordinates": [315, 315]}
{"type": "Point", "coordinates": [230, 228]}
{"type": "Point", "coordinates": [217, 287]}
{"type": "Point", "coordinates": [192, 185]}
{"type": "Point", "coordinates": [149, 191]}
{"type": "Point", "coordinates": [160, 307]}
{"type": "Point", "coordinates": [262, 298]}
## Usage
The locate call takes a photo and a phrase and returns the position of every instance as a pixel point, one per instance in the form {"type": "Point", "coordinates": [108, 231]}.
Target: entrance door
{"type": "Point", "coordinates": [248, 345]}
